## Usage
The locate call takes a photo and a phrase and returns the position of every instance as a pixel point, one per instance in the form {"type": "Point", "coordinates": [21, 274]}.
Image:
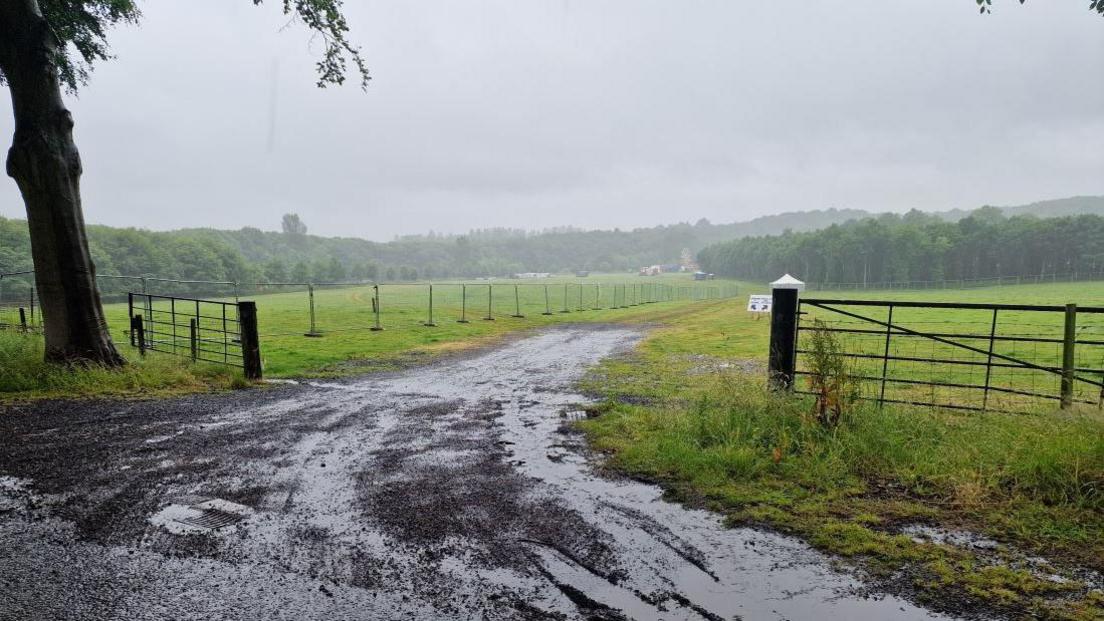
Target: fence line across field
{"type": "Point", "coordinates": [18, 301]}
{"type": "Point", "coordinates": [957, 283]}
{"type": "Point", "coordinates": [376, 306]}
{"type": "Point", "coordinates": [400, 305]}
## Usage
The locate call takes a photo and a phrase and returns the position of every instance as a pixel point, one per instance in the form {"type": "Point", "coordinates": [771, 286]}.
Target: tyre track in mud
{"type": "Point", "coordinates": [443, 492]}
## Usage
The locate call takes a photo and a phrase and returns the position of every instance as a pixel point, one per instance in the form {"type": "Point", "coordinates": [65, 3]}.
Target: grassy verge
{"type": "Point", "coordinates": [24, 375]}
{"type": "Point", "coordinates": [705, 427]}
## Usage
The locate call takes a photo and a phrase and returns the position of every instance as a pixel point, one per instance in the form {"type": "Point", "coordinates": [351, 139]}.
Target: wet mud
{"type": "Point", "coordinates": [450, 491]}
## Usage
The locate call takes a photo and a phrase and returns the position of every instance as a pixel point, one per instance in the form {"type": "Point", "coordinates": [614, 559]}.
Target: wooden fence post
{"type": "Point", "coordinates": [490, 304]}
{"type": "Point", "coordinates": [429, 322]}
{"type": "Point", "coordinates": [376, 307]}
{"type": "Point", "coordinates": [463, 304]}
{"type": "Point", "coordinates": [250, 341]}
{"type": "Point", "coordinates": [1069, 360]}
{"type": "Point", "coordinates": [517, 304]}
{"type": "Point", "coordinates": [310, 295]}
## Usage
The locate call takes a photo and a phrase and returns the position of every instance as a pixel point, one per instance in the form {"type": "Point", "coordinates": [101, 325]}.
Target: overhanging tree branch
{"type": "Point", "coordinates": [81, 28]}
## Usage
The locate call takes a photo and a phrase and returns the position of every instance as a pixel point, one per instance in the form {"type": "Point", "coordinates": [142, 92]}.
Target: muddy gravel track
{"type": "Point", "coordinates": [451, 491]}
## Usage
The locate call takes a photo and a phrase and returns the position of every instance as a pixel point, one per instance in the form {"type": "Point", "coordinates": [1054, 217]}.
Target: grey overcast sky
{"type": "Point", "coordinates": [595, 113]}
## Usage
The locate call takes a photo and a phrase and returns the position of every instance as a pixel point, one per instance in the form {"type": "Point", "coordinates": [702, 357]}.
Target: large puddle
{"type": "Point", "coordinates": [442, 492]}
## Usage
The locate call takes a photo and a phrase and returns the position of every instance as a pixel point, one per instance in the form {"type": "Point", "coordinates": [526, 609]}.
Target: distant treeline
{"type": "Point", "coordinates": [919, 247]}
{"type": "Point", "coordinates": [252, 255]}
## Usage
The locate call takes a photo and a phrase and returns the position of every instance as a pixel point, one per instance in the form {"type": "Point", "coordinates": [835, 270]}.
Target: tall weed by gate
{"type": "Point", "coordinates": [832, 376]}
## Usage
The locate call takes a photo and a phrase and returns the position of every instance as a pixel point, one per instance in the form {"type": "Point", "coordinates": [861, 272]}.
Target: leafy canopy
{"type": "Point", "coordinates": [81, 27]}
{"type": "Point", "coordinates": [986, 6]}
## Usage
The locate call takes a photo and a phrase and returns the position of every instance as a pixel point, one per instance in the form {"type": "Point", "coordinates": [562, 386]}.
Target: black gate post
{"type": "Point", "coordinates": [193, 334]}
{"type": "Point", "coordinates": [782, 361]}
{"type": "Point", "coordinates": [130, 313]}
{"type": "Point", "coordinates": [140, 331]}
{"type": "Point", "coordinates": [250, 341]}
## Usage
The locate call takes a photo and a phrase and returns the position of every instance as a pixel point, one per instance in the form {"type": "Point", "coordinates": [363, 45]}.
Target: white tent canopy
{"type": "Point", "coordinates": [788, 282]}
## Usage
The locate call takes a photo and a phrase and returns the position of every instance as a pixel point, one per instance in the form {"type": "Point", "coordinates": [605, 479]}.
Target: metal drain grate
{"type": "Point", "coordinates": [211, 519]}
{"type": "Point", "coordinates": [190, 514]}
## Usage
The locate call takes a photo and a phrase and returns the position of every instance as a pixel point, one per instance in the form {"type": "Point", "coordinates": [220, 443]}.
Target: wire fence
{"type": "Point", "coordinates": [961, 283]}
{"type": "Point", "coordinates": [18, 302]}
{"type": "Point", "coordinates": [315, 308]}
{"type": "Point", "coordinates": [322, 308]}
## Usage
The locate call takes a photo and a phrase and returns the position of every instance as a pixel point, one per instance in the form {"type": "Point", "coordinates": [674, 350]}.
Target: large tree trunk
{"type": "Point", "coordinates": [44, 161]}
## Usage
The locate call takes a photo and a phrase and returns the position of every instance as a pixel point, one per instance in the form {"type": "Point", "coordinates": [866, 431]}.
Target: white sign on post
{"type": "Point", "coordinates": [759, 304]}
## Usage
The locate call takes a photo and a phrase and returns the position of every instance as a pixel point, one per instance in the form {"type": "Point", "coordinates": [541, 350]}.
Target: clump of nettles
{"type": "Point", "coordinates": [832, 376]}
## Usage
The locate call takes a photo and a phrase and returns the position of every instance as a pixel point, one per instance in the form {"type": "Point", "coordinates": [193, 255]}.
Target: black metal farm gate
{"type": "Point", "coordinates": [999, 357]}
{"type": "Point", "coordinates": [203, 330]}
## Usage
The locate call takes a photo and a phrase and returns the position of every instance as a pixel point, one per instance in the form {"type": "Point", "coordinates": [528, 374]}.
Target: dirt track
{"type": "Point", "coordinates": [449, 491]}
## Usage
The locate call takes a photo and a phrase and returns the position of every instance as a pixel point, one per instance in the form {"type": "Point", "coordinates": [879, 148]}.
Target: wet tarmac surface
{"type": "Point", "coordinates": [452, 491]}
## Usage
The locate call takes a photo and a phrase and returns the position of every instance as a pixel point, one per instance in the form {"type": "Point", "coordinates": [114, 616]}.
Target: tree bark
{"type": "Point", "coordinates": [45, 163]}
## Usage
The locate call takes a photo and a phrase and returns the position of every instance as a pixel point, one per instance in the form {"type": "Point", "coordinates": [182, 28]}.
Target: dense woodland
{"type": "Point", "coordinates": [919, 247]}
{"type": "Point", "coordinates": [915, 246]}
{"type": "Point", "coordinates": [252, 255]}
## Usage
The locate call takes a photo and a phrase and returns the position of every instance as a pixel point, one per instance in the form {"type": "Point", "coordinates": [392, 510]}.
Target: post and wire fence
{"type": "Point", "coordinates": [960, 283]}
{"type": "Point", "coordinates": [18, 304]}
{"type": "Point", "coordinates": [343, 307]}
{"type": "Point", "coordinates": [373, 305]}
{"type": "Point", "coordinates": [206, 320]}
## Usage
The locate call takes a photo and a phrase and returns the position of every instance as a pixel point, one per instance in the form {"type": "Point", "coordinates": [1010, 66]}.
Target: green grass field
{"type": "Point", "coordinates": [344, 316]}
